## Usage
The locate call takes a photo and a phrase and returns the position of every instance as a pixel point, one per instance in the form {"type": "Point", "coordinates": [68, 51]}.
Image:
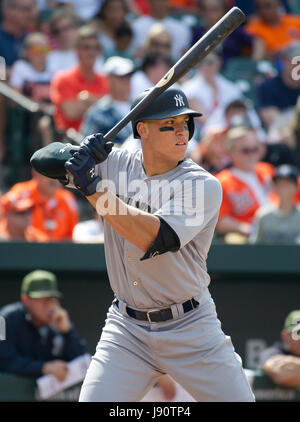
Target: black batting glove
{"type": "Point", "coordinates": [82, 168]}
{"type": "Point", "coordinates": [96, 147]}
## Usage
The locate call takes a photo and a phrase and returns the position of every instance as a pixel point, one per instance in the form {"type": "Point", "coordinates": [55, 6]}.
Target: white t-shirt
{"type": "Point", "coordinates": [180, 33]}
{"type": "Point", "coordinates": [90, 231]}
{"type": "Point", "coordinates": [198, 89]}
{"type": "Point", "coordinates": [61, 60]}
{"type": "Point", "coordinates": [58, 60]}
{"type": "Point", "coordinates": [22, 72]}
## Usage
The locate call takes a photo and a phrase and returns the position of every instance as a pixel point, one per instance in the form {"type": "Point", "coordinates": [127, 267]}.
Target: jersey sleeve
{"type": "Point", "coordinates": [194, 204]}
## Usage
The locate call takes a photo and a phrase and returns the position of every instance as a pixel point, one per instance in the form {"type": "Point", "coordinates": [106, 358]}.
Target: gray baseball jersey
{"type": "Point", "coordinates": [188, 198]}
{"type": "Point", "coordinates": [191, 347]}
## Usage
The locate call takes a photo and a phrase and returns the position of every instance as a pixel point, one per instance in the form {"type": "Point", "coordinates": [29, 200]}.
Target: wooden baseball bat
{"type": "Point", "coordinates": [210, 40]}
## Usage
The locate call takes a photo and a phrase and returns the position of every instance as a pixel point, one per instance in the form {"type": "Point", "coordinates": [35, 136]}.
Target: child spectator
{"type": "Point", "coordinates": [279, 223]}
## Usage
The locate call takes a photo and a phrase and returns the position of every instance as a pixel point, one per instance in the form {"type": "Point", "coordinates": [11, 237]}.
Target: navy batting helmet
{"type": "Point", "coordinates": [170, 103]}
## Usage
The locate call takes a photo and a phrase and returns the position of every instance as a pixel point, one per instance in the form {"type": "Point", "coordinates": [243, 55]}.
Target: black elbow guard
{"type": "Point", "coordinates": [166, 241]}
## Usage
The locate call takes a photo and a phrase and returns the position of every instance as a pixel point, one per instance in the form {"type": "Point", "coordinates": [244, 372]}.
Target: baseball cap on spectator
{"type": "Point", "coordinates": [118, 66]}
{"type": "Point", "coordinates": [40, 284]}
{"type": "Point", "coordinates": [292, 321]}
{"type": "Point", "coordinates": [286, 171]}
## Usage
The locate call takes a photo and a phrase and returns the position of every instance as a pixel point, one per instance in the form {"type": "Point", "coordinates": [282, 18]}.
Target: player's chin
{"type": "Point", "coordinates": [180, 150]}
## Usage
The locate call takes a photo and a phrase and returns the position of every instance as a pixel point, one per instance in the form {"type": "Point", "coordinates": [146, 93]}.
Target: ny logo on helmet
{"type": "Point", "coordinates": [179, 100]}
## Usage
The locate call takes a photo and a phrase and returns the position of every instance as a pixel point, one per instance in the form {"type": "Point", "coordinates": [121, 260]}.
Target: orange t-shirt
{"type": "Point", "coordinates": [276, 37]}
{"type": "Point", "coordinates": [239, 200]}
{"type": "Point", "coordinates": [55, 217]}
{"type": "Point", "coordinates": [66, 85]}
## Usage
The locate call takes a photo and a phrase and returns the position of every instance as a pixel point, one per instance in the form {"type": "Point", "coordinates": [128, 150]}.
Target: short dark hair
{"type": "Point", "coordinates": [123, 30]}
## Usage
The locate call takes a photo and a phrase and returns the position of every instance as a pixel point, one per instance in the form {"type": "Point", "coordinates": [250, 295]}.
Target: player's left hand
{"type": "Point", "coordinates": [96, 146]}
{"type": "Point", "coordinates": [82, 168]}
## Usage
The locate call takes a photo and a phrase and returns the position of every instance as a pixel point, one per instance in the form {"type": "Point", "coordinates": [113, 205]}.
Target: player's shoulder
{"type": "Point", "coordinates": [189, 170]}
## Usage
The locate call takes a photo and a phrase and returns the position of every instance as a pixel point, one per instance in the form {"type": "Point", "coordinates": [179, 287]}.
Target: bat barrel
{"type": "Point", "coordinates": [213, 37]}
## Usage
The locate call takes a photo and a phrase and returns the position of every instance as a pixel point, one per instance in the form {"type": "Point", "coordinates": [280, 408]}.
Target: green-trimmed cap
{"type": "Point", "coordinates": [50, 160]}
{"type": "Point", "coordinates": [39, 284]}
{"type": "Point", "coordinates": [292, 321]}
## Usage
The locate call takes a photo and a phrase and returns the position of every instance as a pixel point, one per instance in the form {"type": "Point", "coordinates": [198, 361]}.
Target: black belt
{"type": "Point", "coordinates": [161, 314]}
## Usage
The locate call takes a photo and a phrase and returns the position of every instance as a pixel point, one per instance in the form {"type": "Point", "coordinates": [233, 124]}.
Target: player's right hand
{"type": "Point", "coordinates": [58, 368]}
{"type": "Point", "coordinates": [96, 147]}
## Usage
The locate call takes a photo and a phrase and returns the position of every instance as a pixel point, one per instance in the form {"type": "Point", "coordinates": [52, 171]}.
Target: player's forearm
{"type": "Point", "coordinates": [138, 227]}
{"type": "Point", "coordinates": [284, 370]}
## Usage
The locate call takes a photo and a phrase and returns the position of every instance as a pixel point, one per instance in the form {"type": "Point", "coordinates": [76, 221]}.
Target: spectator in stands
{"type": "Point", "coordinates": [238, 44]}
{"type": "Point", "coordinates": [247, 184]}
{"type": "Point", "coordinates": [280, 93]}
{"type": "Point", "coordinates": [54, 212]}
{"type": "Point", "coordinates": [17, 19]}
{"type": "Point", "coordinates": [209, 91]}
{"type": "Point", "coordinates": [30, 75]}
{"type": "Point", "coordinates": [123, 39]}
{"type": "Point", "coordinates": [74, 91]}
{"type": "Point", "coordinates": [110, 17]}
{"type": "Point", "coordinates": [159, 13]}
{"type": "Point", "coordinates": [279, 223]}
{"type": "Point", "coordinates": [281, 361]}
{"type": "Point", "coordinates": [63, 26]}
{"type": "Point", "coordinates": [210, 152]}
{"type": "Point", "coordinates": [152, 69]}
{"type": "Point", "coordinates": [110, 109]}
{"type": "Point", "coordinates": [40, 337]}
{"type": "Point", "coordinates": [158, 41]}
{"type": "Point", "coordinates": [275, 30]}
{"type": "Point", "coordinates": [16, 224]}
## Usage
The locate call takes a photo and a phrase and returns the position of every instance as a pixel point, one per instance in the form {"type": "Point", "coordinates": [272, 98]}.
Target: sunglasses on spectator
{"type": "Point", "coordinates": [159, 44]}
{"type": "Point", "coordinates": [62, 29]}
{"type": "Point", "coordinates": [39, 49]}
{"type": "Point", "coordinates": [89, 47]}
{"type": "Point", "coordinates": [248, 151]}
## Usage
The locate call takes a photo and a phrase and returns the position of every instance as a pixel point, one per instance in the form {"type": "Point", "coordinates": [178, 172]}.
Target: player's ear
{"type": "Point", "coordinates": [142, 129]}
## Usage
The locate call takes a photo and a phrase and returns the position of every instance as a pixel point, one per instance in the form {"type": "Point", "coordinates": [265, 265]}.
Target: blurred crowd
{"type": "Point", "coordinates": [71, 68]}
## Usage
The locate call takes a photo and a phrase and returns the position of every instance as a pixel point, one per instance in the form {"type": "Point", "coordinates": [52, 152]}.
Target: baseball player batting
{"type": "Point", "coordinates": [160, 210]}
